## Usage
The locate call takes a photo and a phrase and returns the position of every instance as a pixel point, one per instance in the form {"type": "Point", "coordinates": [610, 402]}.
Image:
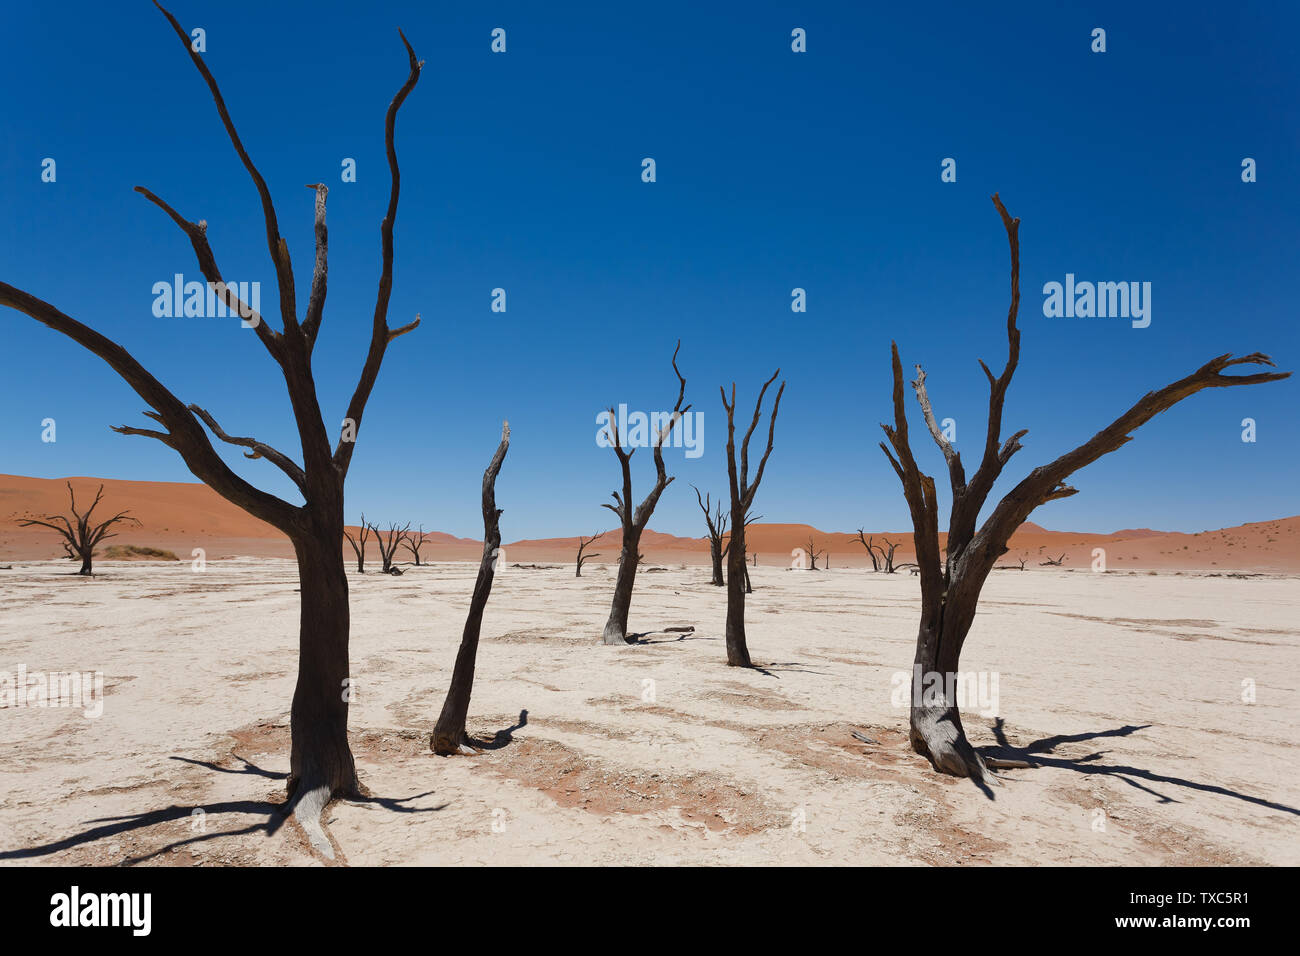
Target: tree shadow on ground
{"type": "Point", "coordinates": [273, 816]}
{"type": "Point", "coordinates": [793, 667]}
{"type": "Point", "coordinates": [1039, 753]}
{"type": "Point", "coordinates": [640, 639]}
{"type": "Point", "coordinates": [501, 738]}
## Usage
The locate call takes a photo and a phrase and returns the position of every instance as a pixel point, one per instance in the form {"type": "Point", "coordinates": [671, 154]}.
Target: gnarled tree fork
{"type": "Point", "coordinates": [742, 500]}
{"type": "Point", "coordinates": [449, 732]}
{"type": "Point", "coordinates": [633, 522]}
{"type": "Point", "coordinates": [415, 540]}
{"type": "Point", "coordinates": [320, 765]}
{"type": "Point", "coordinates": [359, 543]}
{"type": "Point", "coordinates": [583, 555]}
{"type": "Point", "coordinates": [80, 537]}
{"type": "Point", "coordinates": [950, 585]}
{"type": "Point", "coordinates": [388, 546]}
{"type": "Point", "coordinates": [716, 520]}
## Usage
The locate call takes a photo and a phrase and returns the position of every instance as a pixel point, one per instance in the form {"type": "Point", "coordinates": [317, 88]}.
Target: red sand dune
{"type": "Point", "coordinates": [180, 517]}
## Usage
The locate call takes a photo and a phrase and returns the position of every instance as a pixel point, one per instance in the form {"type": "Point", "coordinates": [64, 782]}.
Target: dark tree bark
{"type": "Point", "coordinates": [634, 522]}
{"type": "Point", "coordinates": [79, 536]}
{"type": "Point", "coordinates": [950, 586]}
{"type": "Point", "coordinates": [388, 546]}
{"type": "Point", "coordinates": [1053, 562]}
{"type": "Point", "coordinates": [359, 543]}
{"type": "Point", "coordinates": [321, 765]}
{"type": "Point", "coordinates": [584, 558]}
{"type": "Point", "coordinates": [414, 542]}
{"type": "Point", "coordinates": [717, 524]}
{"type": "Point", "coordinates": [742, 499]}
{"type": "Point", "coordinates": [449, 732]}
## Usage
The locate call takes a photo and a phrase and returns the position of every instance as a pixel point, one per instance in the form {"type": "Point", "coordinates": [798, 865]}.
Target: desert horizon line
{"type": "Point", "coordinates": [1033, 526]}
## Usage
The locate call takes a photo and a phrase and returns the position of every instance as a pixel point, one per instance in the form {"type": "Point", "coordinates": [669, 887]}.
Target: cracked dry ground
{"type": "Point", "coordinates": [1124, 690]}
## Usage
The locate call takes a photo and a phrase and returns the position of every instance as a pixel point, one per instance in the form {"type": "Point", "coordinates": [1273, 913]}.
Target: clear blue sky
{"type": "Point", "coordinates": [775, 170]}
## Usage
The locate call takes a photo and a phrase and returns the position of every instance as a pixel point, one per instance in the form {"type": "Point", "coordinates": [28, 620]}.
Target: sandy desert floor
{"type": "Point", "coordinates": [1125, 689]}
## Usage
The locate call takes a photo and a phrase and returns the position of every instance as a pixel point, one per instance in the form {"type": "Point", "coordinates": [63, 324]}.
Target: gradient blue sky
{"type": "Point", "coordinates": [775, 170]}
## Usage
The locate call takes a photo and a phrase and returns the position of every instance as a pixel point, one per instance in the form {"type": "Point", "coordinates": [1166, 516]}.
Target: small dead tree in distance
{"type": "Point", "coordinates": [950, 587]}
{"type": "Point", "coordinates": [80, 539]}
{"type": "Point", "coordinates": [742, 499]}
{"type": "Point", "coordinates": [388, 546]}
{"type": "Point", "coordinates": [359, 543]}
{"type": "Point", "coordinates": [320, 761]}
{"type": "Point", "coordinates": [584, 558]}
{"type": "Point", "coordinates": [449, 732]}
{"type": "Point", "coordinates": [633, 522]}
{"type": "Point", "coordinates": [869, 544]}
{"type": "Point", "coordinates": [813, 553]}
{"type": "Point", "coordinates": [414, 542]}
{"type": "Point", "coordinates": [717, 524]}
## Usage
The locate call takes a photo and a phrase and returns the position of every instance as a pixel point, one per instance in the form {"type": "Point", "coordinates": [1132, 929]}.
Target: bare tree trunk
{"type": "Point", "coordinates": [86, 564]}
{"type": "Point", "coordinates": [715, 553]}
{"type": "Point", "coordinates": [449, 732]}
{"type": "Point", "coordinates": [742, 500]}
{"type": "Point", "coordinates": [737, 588]}
{"type": "Point", "coordinates": [616, 626]}
{"type": "Point", "coordinates": [320, 760]}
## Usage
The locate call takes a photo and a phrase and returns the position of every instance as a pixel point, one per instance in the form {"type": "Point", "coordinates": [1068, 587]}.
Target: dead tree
{"type": "Point", "coordinates": [869, 544]}
{"type": "Point", "coordinates": [887, 556]}
{"type": "Point", "coordinates": [320, 761]}
{"type": "Point", "coordinates": [414, 542]}
{"type": "Point", "coordinates": [717, 524]}
{"type": "Point", "coordinates": [449, 732]}
{"type": "Point", "coordinates": [950, 587]}
{"type": "Point", "coordinates": [813, 553]}
{"type": "Point", "coordinates": [634, 522]}
{"type": "Point", "coordinates": [742, 500]}
{"type": "Point", "coordinates": [584, 558]}
{"type": "Point", "coordinates": [79, 536]}
{"type": "Point", "coordinates": [359, 543]}
{"type": "Point", "coordinates": [1052, 563]}
{"type": "Point", "coordinates": [388, 546]}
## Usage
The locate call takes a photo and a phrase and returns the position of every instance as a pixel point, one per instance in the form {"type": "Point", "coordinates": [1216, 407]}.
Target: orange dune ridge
{"type": "Point", "coordinates": [180, 516]}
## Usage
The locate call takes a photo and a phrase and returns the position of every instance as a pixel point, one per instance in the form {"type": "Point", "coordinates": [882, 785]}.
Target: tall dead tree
{"type": "Point", "coordinates": [79, 536]}
{"type": "Point", "coordinates": [633, 522]}
{"type": "Point", "coordinates": [414, 542]}
{"type": "Point", "coordinates": [359, 543]}
{"type": "Point", "coordinates": [742, 499]}
{"type": "Point", "coordinates": [717, 524]}
{"type": "Point", "coordinates": [584, 558]}
{"type": "Point", "coordinates": [449, 732]}
{"type": "Point", "coordinates": [388, 546]}
{"type": "Point", "coordinates": [320, 761]}
{"type": "Point", "coordinates": [950, 587]}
